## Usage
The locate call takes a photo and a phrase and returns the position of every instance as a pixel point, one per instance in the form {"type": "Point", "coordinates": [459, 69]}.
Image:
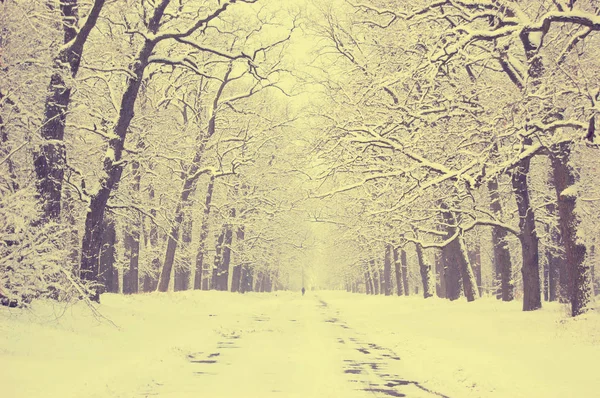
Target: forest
{"type": "Point", "coordinates": [443, 148]}
{"type": "Point", "coordinates": [299, 198]}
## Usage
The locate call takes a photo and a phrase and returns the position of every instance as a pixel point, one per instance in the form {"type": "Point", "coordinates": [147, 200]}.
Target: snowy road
{"type": "Point", "coordinates": [299, 348]}
{"type": "Point", "coordinates": [218, 344]}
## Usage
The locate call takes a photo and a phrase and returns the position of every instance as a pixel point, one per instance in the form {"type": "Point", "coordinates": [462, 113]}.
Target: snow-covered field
{"type": "Point", "coordinates": [326, 344]}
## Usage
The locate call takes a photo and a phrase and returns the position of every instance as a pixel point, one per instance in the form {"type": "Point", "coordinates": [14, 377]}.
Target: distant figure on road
{"type": "Point", "coordinates": [303, 290]}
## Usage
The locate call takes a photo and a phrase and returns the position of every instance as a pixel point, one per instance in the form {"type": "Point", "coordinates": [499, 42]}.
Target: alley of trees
{"type": "Point", "coordinates": [428, 147]}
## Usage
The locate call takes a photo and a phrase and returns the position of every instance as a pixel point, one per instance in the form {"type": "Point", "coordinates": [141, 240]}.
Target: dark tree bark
{"type": "Point", "coordinates": [466, 271]}
{"type": "Point", "coordinates": [375, 277]}
{"type": "Point", "coordinates": [425, 270]}
{"type": "Point", "coordinates": [457, 257]}
{"type": "Point", "coordinates": [404, 262]}
{"type": "Point", "coordinates": [368, 289]}
{"type": "Point", "coordinates": [546, 281]}
{"type": "Point", "coordinates": [247, 279]}
{"type": "Point", "coordinates": [268, 284]}
{"type": "Point", "coordinates": [398, 273]}
{"type": "Point", "coordinates": [5, 153]}
{"type": "Point", "coordinates": [578, 272]}
{"type": "Point", "coordinates": [49, 161]}
{"type": "Point", "coordinates": [441, 280]}
{"type": "Point", "coordinates": [558, 280]}
{"type": "Point", "coordinates": [502, 260]}
{"type": "Point", "coordinates": [236, 277]}
{"type": "Point", "coordinates": [217, 261]}
{"type": "Point", "coordinates": [183, 272]}
{"type": "Point", "coordinates": [450, 258]}
{"type": "Point", "coordinates": [387, 270]}
{"type": "Point", "coordinates": [165, 275]}
{"type": "Point", "coordinates": [223, 265]}
{"type": "Point", "coordinates": [108, 274]}
{"type": "Point", "coordinates": [132, 241]}
{"type": "Point", "coordinates": [554, 267]}
{"type": "Point", "coordinates": [528, 236]}
{"type": "Point", "coordinates": [257, 281]}
{"type": "Point", "coordinates": [151, 276]}
{"type": "Point", "coordinates": [452, 276]}
{"type": "Point", "coordinates": [203, 234]}
{"type": "Point", "coordinates": [532, 299]}
{"type": "Point", "coordinates": [381, 278]}
{"type": "Point", "coordinates": [558, 284]}
{"type": "Point", "coordinates": [475, 260]}
{"type": "Point", "coordinates": [592, 258]}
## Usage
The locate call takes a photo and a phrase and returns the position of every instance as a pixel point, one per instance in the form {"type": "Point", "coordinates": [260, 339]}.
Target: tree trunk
{"type": "Point", "coordinates": [558, 281]}
{"type": "Point", "coordinates": [387, 270]}
{"type": "Point", "coordinates": [502, 260]}
{"type": "Point", "coordinates": [367, 283]}
{"type": "Point", "coordinates": [180, 216]}
{"type": "Point", "coordinates": [529, 241]}
{"type": "Point", "coordinates": [452, 275]}
{"type": "Point", "coordinates": [268, 282]}
{"type": "Point", "coordinates": [165, 274]}
{"type": "Point", "coordinates": [260, 282]}
{"type": "Point", "coordinates": [439, 270]}
{"type": "Point", "coordinates": [475, 259]}
{"type": "Point", "coordinates": [151, 276]}
{"type": "Point", "coordinates": [223, 266]}
{"type": "Point", "coordinates": [369, 276]}
{"type": "Point", "coordinates": [404, 262]}
{"type": "Point", "coordinates": [375, 277]}
{"type": "Point", "coordinates": [247, 279]}
{"type": "Point", "coordinates": [456, 256]}
{"type": "Point", "coordinates": [451, 257]}
{"type": "Point", "coordinates": [204, 233]}
{"type": "Point", "coordinates": [425, 270]}
{"type": "Point", "coordinates": [398, 272]}
{"type": "Point", "coordinates": [236, 277]}
{"type": "Point", "coordinates": [132, 241]}
{"type": "Point", "coordinates": [466, 271]}
{"type": "Point", "coordinates": [578, 272]}
{"type": "Point", "coordinates": [108, 275]}
{"type": "Point", "coordinates": [132, 250]}
{"type": "Point", "coordinates": [217, 261]}
{"type": "Point", "coordinates": [183, 272]}
{"type": "Point", "coordinates": [381, 278]}
{"type": "Point", "coordinates": [554, 267]}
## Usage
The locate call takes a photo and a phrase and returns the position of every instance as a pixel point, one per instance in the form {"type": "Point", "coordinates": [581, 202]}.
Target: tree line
{"type": "Point", "coordinates": [459, 119]}
{"type": "Point", "coordinates": [160, 145]}
{"type": "Point", "coordinates": [135, 138]}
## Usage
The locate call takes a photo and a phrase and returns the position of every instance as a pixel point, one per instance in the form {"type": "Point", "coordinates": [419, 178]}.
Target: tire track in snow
{"type": "Point", "coordinates": [368, 364]}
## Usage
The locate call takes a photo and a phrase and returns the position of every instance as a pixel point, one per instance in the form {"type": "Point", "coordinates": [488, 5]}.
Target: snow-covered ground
{"type": "Point", "coordinates": [483, 349]}
{"type": "Point", "coordinates": [326, 344]}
